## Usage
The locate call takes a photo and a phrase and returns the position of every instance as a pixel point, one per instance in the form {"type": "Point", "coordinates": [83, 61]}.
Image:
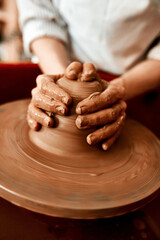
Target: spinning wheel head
{"type": "Point", "coordinates": [74, 183]}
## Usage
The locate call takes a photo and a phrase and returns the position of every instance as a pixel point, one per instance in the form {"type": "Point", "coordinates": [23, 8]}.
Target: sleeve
{"type": "Point", "coordinates": [38, 18]}
{"type": "Point", "coordinates": [154, 52]}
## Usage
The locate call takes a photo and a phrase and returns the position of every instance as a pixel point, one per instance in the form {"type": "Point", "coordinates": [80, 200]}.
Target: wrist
{"type": "Point", "coordinates": [120, 82]}
{"type": "Point", "coordinates": [51, 54]}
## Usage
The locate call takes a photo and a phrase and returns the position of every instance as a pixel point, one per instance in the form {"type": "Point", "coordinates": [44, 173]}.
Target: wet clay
{"type": "Point", "coordinates": [65, 138]}
{"type": "Point", "coordinates": [66, 179]}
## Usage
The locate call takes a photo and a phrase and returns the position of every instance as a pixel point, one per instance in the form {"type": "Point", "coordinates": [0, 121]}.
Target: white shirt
{"type": "Point", "coordinates": [114, 35]}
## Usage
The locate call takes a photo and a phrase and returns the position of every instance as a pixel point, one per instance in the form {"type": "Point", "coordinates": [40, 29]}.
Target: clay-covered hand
{"type": "Point", "coordinates": [106, 112]}
{"type": "Point", "coordinates": [47, 98]}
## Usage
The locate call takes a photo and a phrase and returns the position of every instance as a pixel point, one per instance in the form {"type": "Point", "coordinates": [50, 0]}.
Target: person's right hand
{"type": "Point", "coordinates": [47, 97]}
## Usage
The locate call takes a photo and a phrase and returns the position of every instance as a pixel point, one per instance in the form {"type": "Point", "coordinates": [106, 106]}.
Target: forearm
{"type": "Point", "coordinates": [51, 53]}
{"type": "Point", "coordinates": [142, 78]}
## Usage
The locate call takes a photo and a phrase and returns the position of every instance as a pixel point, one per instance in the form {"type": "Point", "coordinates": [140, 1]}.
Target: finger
{"type": "Point", "coordinates": [47, 86]}
{"type": "Point", "coordinates": [52, 78]}
{"type": "Point", "coordinates": [49, 104]}
{"type": "Point", "coordinates": [32, 123]}
{"type": "Point", "coordinates": [109, 142]}
{"type": "Point", "coordinates": [105, 132]}
{"type": "Point", "coordinates": [98, 101]}
{"type": "Point", "coordinates": [39, 116]}
{"type": "Point", "coordinates": [101, 117]}
{"type": "Point", "coordinates": [73, 70]}
{"type": "Point", "coordinates": [89, 72]}
{"type": "Point", "coordinates": [104, 83]}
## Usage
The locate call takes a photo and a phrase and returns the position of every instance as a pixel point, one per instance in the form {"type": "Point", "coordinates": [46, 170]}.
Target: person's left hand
{"type": "Point", "coordinates": [106, 112]}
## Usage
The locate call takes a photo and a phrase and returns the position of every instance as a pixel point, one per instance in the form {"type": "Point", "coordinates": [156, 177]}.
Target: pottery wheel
{"type": "Point", "coordinates": [56, 184]}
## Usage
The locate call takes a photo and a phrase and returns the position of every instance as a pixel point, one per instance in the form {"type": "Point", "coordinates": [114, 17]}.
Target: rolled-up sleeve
{"type": "Point", "coordinates": [38, 18]}
{"type": "Point", "coordinates": [154, 52]}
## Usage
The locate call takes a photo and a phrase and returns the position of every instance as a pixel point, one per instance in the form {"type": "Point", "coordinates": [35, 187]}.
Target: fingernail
{"type": "Point", "coordinates": [48, 122]}
{"type": "Point", "coordinates": [60, 110]}
{"type": "Point", "coordinates": [78, 110]}
{"type": "Point", "coordinates": [81, 110]}
{"type": "Point", "coordinates": [122, 117]}
{"type": "Point", "coordinates": [72, 74]}
{"type": "Point", "coordinates": [79, 122]}
{"type": "Point", "coordinates": [66, 100]}
{"type": "Point", "coordinates": [90, 139]}
{"type": "Point", "coordinates": [105, 147]}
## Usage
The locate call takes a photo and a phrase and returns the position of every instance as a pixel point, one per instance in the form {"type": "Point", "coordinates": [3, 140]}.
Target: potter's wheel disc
{"type": "Point", "coordinates": [118, 181]}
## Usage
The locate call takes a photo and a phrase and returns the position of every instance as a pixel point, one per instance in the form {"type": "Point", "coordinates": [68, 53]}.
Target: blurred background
{"type": "Point", "coordinates": [11, 47]}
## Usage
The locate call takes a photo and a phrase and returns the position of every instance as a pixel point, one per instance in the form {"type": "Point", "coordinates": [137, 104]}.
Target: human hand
{"type": "Point", "coordinates": [106, 112]}
{"type": "Point", "coordinates": [47, 97]}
